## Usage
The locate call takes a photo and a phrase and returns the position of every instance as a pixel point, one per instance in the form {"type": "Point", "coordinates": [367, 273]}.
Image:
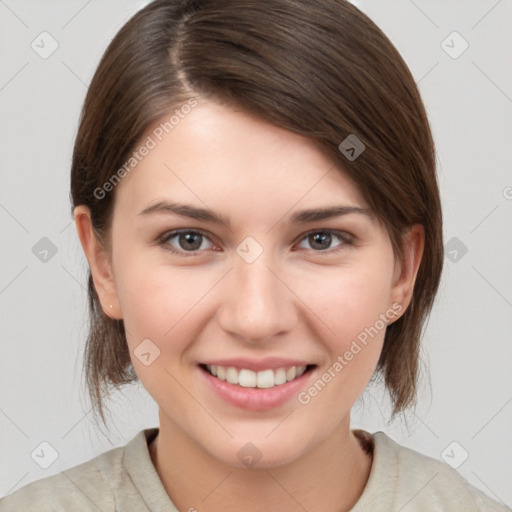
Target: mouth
{"type": "Point", "coordinates": [263, 379]}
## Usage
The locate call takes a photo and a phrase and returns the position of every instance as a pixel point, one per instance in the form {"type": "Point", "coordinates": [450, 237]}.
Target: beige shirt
{"type": "Point", "coordinates": [125, 480]}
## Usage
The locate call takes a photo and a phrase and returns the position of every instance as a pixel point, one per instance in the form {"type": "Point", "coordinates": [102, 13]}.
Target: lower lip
{"type": "Point", "coordinates": [256, 399]}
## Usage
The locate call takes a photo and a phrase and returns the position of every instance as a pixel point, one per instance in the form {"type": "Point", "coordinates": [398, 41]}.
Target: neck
{"type": "Point", "coordinates": [329, 478]}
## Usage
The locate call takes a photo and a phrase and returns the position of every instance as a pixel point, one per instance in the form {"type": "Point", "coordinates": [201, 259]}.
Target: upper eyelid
{"type": "Point", "coordinates": [175, 232]}
{"type": "Point", "coordinates": [338, 232]}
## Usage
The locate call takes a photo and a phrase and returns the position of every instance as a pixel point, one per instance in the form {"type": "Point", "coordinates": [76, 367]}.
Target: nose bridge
{"type": "Point", "coordinates": [256, 305]}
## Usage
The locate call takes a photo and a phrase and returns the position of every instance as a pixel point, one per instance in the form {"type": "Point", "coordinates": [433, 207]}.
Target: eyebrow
{"type": "Point", "coordinates": [300, 217]}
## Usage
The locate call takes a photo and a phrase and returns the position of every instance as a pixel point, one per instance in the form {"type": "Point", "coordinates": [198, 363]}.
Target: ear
{"type": "Point", "coordinates": [99, 262]}
{"type": "Point", "coordinates": [407, 270]}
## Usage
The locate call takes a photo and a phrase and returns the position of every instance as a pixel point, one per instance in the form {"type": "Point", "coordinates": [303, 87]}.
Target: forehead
{"type": "Point", "coordinates": [215, 153]}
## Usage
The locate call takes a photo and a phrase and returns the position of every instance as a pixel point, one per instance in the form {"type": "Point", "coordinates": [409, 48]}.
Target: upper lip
{"type": "Point", "coordinates": [256, 365]}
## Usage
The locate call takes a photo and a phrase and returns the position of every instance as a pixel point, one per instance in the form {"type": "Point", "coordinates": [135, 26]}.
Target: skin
{"type": "Point", "coordinates": [295, 300]}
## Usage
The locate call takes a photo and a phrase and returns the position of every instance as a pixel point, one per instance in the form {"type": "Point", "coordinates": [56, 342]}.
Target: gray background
{"type": "Point", "coordinates": [465, 409]}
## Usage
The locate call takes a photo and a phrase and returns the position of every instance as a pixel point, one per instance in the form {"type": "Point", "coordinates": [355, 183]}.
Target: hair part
{"type": "Point", "coordinates": [320, 69]}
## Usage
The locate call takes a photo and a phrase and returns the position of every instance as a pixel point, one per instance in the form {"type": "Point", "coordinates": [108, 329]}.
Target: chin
{"type": "Point", "coordinates": [261, 453]}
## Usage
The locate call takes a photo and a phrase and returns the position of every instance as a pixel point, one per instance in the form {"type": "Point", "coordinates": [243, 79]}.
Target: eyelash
{"type": "Point", "coordinates": [164, 239]}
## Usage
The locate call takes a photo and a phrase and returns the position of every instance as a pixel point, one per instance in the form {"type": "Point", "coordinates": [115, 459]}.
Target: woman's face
{"type": "Point", "coordinates": [223, 257]}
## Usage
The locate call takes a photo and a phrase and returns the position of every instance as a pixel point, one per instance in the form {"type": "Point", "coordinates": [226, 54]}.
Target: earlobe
{"type": "Point", "coordinates": [99, 262]}
{"type": "Point", "coordinates": [407, 270]}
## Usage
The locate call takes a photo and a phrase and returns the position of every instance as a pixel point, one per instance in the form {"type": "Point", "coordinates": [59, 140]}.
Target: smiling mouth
{"type": "Point", "coordinates": [264, 379]}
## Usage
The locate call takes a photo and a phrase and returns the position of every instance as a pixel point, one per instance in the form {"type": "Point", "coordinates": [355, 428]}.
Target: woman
{"type": "Point", "coordinates": [254, 187]}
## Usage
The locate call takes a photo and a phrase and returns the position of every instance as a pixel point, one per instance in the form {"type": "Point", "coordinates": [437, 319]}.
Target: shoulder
{"type": "Point", "coordinates": [421, 483]}
{"type": "Point", "coordinates": [91, 485]}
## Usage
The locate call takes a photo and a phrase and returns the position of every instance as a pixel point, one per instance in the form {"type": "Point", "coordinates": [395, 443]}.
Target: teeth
{"type": "Point", "coordinates": [221, 372]}
{"type": "Point", "coordinates": [250, 379]}
{"type": "Point", "coordinates": [265, 379]}
{"type": "Point", "coordinates": [247, 378]}
{"type": "Point", "coordinates": [280, 376]}
{"type": "Point", "coordinates": [232, 375]}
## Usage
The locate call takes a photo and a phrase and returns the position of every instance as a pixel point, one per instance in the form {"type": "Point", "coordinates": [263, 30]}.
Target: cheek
{"type": "Point", "coordinates": [157, 305]}
{"type": "Point", "coordinates": [354, 304]}
{"type": "Point", "coordinates": [158, 302]}
{"type": "Point", "coordinates": [349, 300]}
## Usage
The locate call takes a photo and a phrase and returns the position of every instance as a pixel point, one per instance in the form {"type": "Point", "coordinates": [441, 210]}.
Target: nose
{"type": "Point", "coordinates": [257, 304]}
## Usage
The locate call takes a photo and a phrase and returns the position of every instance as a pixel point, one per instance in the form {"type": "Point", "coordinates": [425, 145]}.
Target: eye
{"type": "Point", "coordinates": [322, 240]}
{"type": "Point", "coordinates": [185, 241]}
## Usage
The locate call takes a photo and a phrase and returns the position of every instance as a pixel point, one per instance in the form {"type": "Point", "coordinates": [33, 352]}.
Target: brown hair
{"type": "Point", "coordinates": [319, 68]}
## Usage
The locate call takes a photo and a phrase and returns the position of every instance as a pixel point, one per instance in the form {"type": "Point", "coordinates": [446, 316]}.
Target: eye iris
{"type": "Point", "coordinates": [320, 240]}
{"type": "Point", "coordinates": [190, 241]}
